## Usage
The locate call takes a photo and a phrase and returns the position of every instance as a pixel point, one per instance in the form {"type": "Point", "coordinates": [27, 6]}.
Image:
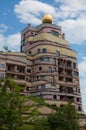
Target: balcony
{"type": "Point", "coordinates": [65, 63]}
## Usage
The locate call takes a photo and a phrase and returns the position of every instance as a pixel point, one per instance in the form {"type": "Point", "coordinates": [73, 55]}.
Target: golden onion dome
{"type": "Point", "coordinates": [47, 18]}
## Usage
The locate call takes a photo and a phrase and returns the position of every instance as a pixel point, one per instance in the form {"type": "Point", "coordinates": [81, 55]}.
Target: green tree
{"type": "Point", "coordinates": [16, 111]}
{"type": "Point", "coordinates": [21, 112]}
{"type": "Point", "coordinates": [41, 124]}
{"type": "Point", "coordinates": [65, 118]}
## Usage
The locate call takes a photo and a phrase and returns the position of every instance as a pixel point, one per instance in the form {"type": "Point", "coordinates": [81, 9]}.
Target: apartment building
{"type": "Point", "coordinates": [46, 66]}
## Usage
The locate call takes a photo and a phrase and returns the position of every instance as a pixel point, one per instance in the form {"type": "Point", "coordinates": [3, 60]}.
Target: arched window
{"type": "Point", "coordinates": [44, 50]}
{"type": "Point", "coordinates": [40, 68]}
{"type": "Point", "coordinates": [49, 69]}
{"type": "Point", "coordinates": [41, 59]}
{"type": "Point", "coordinates": [39, 50]}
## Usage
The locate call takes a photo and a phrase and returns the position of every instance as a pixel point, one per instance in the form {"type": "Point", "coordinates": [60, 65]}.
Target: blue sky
{"type": "Point", "coordinates": [70, 14]}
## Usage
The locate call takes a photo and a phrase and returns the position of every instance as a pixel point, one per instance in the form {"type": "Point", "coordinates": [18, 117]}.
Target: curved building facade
{"type": "Point", "coordinates": [54, 71]}
{"type": "Point", "coordinates": [46, 66]}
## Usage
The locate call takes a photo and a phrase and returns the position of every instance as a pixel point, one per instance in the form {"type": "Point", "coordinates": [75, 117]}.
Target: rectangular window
{"type": "Point", "coordinates": [47, 59]}
{"type": "Point", "coordinates": [41, 76]}
{"type": "Point", "coordinates": [79, 108]}
{"type": "Point", "coordinates": [55, 33]}
{"type": "Point", "coordinates": [54, 97]}
{"type": "Point", "coordinates": [74, 65]}
{"type": "Point", "coordinates": [41, 59]}
{"type": "Point", "coordinates": [43, 87]}
{"type": "Point", "coordinates": [2, 75]}
{"type": "Point", "coordinates": [78, 99]}
{"type": "Point", "coordinates": [2, 65]}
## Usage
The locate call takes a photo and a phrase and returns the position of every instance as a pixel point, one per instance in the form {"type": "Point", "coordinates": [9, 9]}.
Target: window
{"type": "Point", "coordinates": [8, 68]}
{"type": "Point", "coordinates": [47, 59]}
{"type": "Point", "coordinates": [68, 80]}
{"type": "Point", "coordinates": [61, 78]}
{"type": "Point", "coordinates": [39, 50]}
{"type": "Point", "coordinates": [43, 87]}
{"type": "Point", "coordinates": [29, 52]}
{"type": "Point", "coordinates": [74, 65]}
{"type": "Point", "coordinates": [62, 105]}
{"type": "Point", "coordinates": [40, 68]}
{"type": "Point", "coordinates": [41, 95]}
{"type": "Point", "coordinates": [78, 99]}
{"type": "Point", "coordinates": [41, 59]}
{"type": "Point", "coordinates": [2, 65]}
{"type": "Point", "coordinates": [54, 97]}
{"type": "Point", "coordinates": [27, 88]}
{"type": "Point", "coordinates": [1, 75]}
{"type": "Point", "coordinates": [49, 69]}
{"type": "Point", "coordinates": [79, 108]}
{"type": "Point", "coordinates": [55, 33]}
{"type": "Point", "coordinates": [29, 70]}
{"type": "Point", "coordinates": [20, 69]}
{"type": "Point", "coordinates": [41, 76]}
{"type": "Point", "coordinates": [70, 90]}
{"type": "Point", "coordinates": [44, 50]}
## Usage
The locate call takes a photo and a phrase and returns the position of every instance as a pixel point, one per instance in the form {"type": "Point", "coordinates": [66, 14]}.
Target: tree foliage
{"type": "Point", "coordinates": [16, 111]}
{"type": "Point", "coordinates": [19, 112]}
{"type": "Point", "coordinates": [64, 118]}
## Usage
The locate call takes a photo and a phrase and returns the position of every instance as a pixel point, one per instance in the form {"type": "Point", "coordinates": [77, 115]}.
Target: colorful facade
{"type": "Point", "coordinates": [46, 66]}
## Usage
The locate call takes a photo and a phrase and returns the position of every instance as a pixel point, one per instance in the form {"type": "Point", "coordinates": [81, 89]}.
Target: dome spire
{"type": "Point", "coordinates": [47, 18]}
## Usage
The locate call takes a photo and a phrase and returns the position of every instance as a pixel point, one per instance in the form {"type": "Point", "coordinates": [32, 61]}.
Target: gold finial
{"type": "Point", "coordinates": [47, 18]}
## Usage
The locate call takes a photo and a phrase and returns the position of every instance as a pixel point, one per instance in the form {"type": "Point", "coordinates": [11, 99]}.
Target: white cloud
{"type": "Point", "coordinates": [3, 28]}
{"type": "Point", "coordinates": [71, 8]}
{"type": "Point", "coordinates": [83, 93]}
{"type": "Point", "coordinates": [2, 41]}
{"type": "Point", "coordinates": [30, 11]}
{"type": "Point", "coordinates": [73, 14]}
{"type": "Point", "coordinates": [12, 41]}
{"type": "Point", "coordinates": [75, 30]}
{"type": "Point", "coordinates": [82, 70]}
{"type": "Point", "coordinates": [82, 67]}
